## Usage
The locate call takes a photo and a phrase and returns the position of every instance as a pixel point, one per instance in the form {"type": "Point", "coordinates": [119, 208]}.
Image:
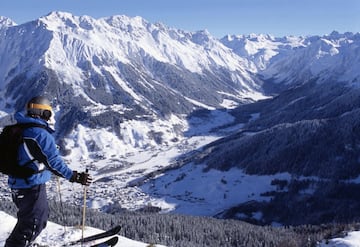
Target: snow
{"type": "Point", "coordinates": [351, 240]}
{"type": "Point", "coordinates": [260, 49]}
{"type": "Point", "coordinates": [56, 235]}
{"type": "Point", "coordinates": [111, 39]}
{"type": "Point", "coordinates": [189, 188]}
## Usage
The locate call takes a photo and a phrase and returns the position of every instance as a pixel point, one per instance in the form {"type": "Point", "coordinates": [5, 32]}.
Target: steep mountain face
{"type": "Point", "coordinates": [309, 129]}
{"type": "Point", "coordinates": [261, 48]}
{"type": "Point", "coordinates": [143, 69]}
{"type": "Point", "coordinates": [305, 139]}
{"type": "Point", "coordinates": [6, 22]}
{"type": "Point", "coordinates": [127, 91]}
{"type": "Point", "coordinates": [295, 161]}
{"type": "Point", "coordinates": [295, 60]}
{"type": "Point", "coordinates": [313, 135]}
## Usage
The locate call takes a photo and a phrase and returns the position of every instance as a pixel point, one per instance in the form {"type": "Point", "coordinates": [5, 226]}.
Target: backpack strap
{"type": "Point", "coordinates": [31, 152]}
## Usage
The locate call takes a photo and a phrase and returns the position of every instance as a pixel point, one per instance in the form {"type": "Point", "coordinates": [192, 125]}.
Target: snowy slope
{"type": "Point", "coordinates": [292, 59]}
{"type": "Point", "coordinates": [351, 240]}
{"type": "Point", "coordinates": [116, 169]}
{"type": "Point", "coordinates": [81, 49]}
{"type": "Point", "coordinates": [125, 39]}
{"type": "Point", "coordinates": [5, 22]}
{"type": "Point", "coordinates": [56, 235]}
{"type": "Point", "coordinates": [122, 71]}
{"type": "Point", "coordinates": [188, 189]}
{"type": "Point", "coordinates": [261, 49]}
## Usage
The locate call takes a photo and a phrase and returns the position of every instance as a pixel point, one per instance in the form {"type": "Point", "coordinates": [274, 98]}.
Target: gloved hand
{"type": "Point", "coordinates": [81, 178]}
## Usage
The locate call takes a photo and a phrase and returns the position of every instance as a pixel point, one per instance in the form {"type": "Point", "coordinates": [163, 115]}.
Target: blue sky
{"type": "Point", "coordinates": [219, 17]}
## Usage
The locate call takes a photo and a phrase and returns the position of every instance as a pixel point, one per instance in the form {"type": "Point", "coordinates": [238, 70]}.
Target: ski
{"type": "Point", "coordinates": [108, 243]}
{"type": "Point", "coordinates": [109, 233]}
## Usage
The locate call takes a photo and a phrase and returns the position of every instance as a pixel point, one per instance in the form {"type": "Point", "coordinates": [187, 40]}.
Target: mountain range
{"type": "Point", "coordinates": [127, 92]}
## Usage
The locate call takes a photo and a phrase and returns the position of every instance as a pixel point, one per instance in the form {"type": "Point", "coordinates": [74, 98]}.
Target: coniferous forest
{"type": "Point", "coordinates": [191, 231]}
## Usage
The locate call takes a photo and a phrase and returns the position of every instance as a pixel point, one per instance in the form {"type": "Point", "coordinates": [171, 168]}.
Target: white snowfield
{"type": "Point", "coordinates": [351, 240]}
{"type": "Point", "coordinates": [55, 235]}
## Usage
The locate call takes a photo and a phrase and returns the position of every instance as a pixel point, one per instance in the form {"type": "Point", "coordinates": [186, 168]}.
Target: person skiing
{"type": "Point", "coordinates": [40, 153]}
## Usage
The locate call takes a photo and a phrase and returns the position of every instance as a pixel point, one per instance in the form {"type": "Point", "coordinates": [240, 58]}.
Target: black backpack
{"type": "Point", "coordinates": [10, 139]}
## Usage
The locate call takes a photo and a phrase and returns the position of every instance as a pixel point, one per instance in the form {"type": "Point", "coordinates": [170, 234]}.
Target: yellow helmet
{"type": "Point", "coordinates": [39, 106]}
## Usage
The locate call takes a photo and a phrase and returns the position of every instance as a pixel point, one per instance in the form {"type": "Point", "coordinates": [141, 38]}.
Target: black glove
{"type": "Point", "coordinates": [81, 178]}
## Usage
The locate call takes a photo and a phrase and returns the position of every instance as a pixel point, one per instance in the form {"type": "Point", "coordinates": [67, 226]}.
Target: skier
{"type": "Point", "coordinates": [29, 194]}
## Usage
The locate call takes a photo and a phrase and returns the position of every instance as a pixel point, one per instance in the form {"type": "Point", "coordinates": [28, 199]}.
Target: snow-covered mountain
{"type": "Point", "coordinates": [292, 59]}
{"type": "Point", "coordinates": [156, 113]}
{"type": "Point", "coordinates": [125, 54]}
{"type": "Point", "coordinates": [261, 48]}
{"type": "Point", "coordinates": [6, 22]}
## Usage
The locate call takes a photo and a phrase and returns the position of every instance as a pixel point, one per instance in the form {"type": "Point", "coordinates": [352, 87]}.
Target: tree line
{"type": "Point", "coordinates": [192, 231]}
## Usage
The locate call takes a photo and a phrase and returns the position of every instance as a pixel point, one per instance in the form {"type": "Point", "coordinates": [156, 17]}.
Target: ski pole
{"type": "Point", "coordinates": [61, 204]}
{"type": "Point", "coordinates": [84, 211]}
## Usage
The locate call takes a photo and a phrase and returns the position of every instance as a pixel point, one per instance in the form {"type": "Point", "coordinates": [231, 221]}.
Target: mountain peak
{"type": "Point", "coordinates": [57, 19]}
{"type": "Point", "coordinates": [116, 20]}
{"type": "Point", "coordinates": [6, 22]}
{"type": "Point", "coordinates": [55, 15]}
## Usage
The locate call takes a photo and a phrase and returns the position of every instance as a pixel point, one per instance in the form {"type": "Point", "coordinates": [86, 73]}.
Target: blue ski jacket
{"type": "Point", "coordinates": [38, 144]}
